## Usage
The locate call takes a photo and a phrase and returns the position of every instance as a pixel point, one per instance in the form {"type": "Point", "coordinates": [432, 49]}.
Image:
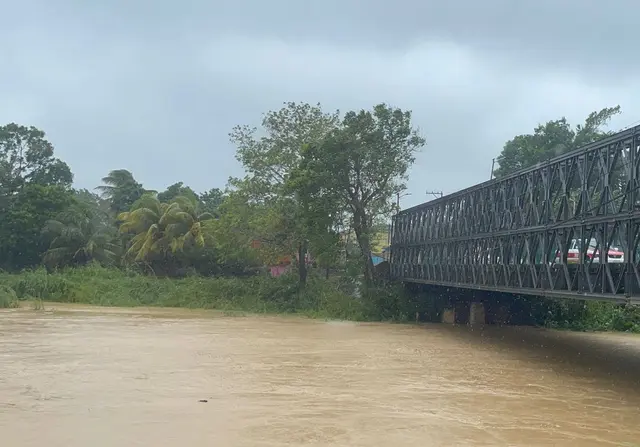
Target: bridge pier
{"type": "Point", "coordinates": [463, 306]}
{"type": "Point", "coordinates": [472, 313]}
{"type": "Point", "coordinates": [477, 314]}
{"type": "Point", "coordinates": [449, 316]}
{"type": "Point", "coordinates": [452, 305]}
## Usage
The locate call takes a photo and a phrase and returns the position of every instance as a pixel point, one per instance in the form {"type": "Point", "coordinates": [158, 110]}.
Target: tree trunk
{"type": "Point", "coordinates": [361, 229]}
{"type": "Point", "coordinates": [369, 272]}
{"type": "Point", "coordinates": [302, 262]}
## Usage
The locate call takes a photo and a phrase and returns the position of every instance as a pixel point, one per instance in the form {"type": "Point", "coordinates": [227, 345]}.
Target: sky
{"type": "Point", "coordinates": [155, 86]}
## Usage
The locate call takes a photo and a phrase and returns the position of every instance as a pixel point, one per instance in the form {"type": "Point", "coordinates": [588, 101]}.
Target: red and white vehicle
{"type": "Point", "coordinates": [614, 255]}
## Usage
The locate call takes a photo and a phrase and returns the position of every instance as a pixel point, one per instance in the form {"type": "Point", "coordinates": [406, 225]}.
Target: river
{"type": "Point", "coordinates": [79, 376]}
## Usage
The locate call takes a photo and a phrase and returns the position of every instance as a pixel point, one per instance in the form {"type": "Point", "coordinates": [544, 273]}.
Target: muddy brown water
{"type": "Point", "coordinates": [107, 377]}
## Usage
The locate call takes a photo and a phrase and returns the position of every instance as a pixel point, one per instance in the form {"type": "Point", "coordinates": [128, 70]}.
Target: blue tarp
{"type": "Point", "coordinates": [376, 259]}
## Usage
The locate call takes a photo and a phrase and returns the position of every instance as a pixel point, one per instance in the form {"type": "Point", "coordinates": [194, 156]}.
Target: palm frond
{"type": "Point", "coordinates": [53, 227]}
{"type": "Point", "coordinates": [183, 216]}
{"type": "Point", "coordinates": [186, 204]}
{"type": "Point", "coordinates": [148, 201]}
{"type": "Point", "coordinates": [55, 256]}
{"type": "Point", "coordinates": [175, 229]}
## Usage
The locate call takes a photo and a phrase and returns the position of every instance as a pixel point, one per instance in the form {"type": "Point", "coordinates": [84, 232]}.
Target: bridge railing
{"type": "Point", "coordinates": [569, 226]}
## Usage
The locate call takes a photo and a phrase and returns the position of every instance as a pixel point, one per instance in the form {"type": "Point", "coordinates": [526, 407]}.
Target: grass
{"type": "Point", "coordinates": [260, 294]}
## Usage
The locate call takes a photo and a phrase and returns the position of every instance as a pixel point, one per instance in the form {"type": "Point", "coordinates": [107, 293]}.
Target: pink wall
{"type": "Point", "coordinates": [277, 270]}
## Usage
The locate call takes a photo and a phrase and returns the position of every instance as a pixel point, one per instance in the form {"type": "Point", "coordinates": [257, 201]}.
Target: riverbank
{"type": "Point", "coordinates": [333, 299]}
{"type": "Point", "coordinates": [259, 294]}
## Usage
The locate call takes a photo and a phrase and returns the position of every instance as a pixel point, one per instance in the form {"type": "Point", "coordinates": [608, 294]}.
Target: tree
{"type": "Point", "coordinates": [210, 201]}
{"type": "Point", "coordinates": [365, 163]}
{"type": "Point", "coordinates": [97, 205]}
{"type": "Point", "coordinates": [79, 235]}
{"type": "Point", "coordinates": [21, 242]}
{"type": "Point", "coordinates": [177, 190]}
{"type": "Point", "coordinates": [34, 186]}
{"type": "Point", "coordinates": [269, 160]}
{"type": "Point", "coordinates": [162, 230]}
{"type": "Point", "coordinates": [121, 190]}
{"type": "Point", "coordinates": [26, 157]}
{"type": "Point", "coordinates": [317, 215]}
{"type": "Point", "coordinates": [233, 234]}
{"type": "Point", "coordinates": [552, 139]}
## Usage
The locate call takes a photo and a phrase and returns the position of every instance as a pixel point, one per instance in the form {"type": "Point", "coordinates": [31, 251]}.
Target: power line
{"type": "Point", "coordinates": [635, 123]}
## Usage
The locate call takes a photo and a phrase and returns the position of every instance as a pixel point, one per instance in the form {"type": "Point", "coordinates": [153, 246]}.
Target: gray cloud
{"type": "Point", "coordinates": [155, 87]}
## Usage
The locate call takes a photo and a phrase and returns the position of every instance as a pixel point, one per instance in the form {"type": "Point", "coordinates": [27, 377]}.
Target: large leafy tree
{"type": "Point", "coordinates": [319, 211]}
{"type": "Point", "coordinates": [163, 231]}
{"type": "Point", "coordinates": [26, 157]}
{"type": "Point", "coordinates": [34, 187]}
{"type": "Point", "coordinates": [21, 242]}
{"type": "Point", "coordinates": [552, 139]}
{"type": "Point", "coordinates": [364, 164]}
{"type": "Point", "coordinates": [231, 236]}
{"type": "Point", "coordinates": [269, 158]}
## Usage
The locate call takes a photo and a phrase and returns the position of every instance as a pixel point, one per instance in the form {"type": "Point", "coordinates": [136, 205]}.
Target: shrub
{"type": "Point", "coordinates": [8, 297]}
{"type": "Point", "coordinates": [98, 285]}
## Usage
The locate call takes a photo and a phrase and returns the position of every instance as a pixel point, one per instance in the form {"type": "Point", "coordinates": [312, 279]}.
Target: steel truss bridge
{"type": "Point", "coordinates": [514, 234]}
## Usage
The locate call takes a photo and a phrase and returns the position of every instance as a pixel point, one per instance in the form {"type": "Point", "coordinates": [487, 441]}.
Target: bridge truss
{"type": "Point", "coordinates": [514, 234]}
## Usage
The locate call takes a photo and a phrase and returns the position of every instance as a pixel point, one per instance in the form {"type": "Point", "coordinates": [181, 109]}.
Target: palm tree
{"type": "Point", "coordinates": [162, 229]}
{"type": "Point", "coordinates": [121, 189]}
{"type": "Point", "coordinates": [78, 236]}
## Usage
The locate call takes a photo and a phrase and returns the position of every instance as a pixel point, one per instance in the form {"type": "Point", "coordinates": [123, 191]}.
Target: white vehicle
{"type": "Point", "coordinates": [573, 255]}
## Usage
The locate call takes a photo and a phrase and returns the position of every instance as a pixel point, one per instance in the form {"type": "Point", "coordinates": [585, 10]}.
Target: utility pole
{"type": "Point", "coordinates": [435, 194]}
{"type": "Point", "coordinates": [398, 201]}
{"type": "Point", "coordinates": [398, 195]}
{"type": "Point", "coordinates": [493, 162]}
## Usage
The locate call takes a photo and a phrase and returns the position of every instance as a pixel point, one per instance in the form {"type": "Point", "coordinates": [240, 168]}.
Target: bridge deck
{"type": "Point", "coordinates": [519, 233]}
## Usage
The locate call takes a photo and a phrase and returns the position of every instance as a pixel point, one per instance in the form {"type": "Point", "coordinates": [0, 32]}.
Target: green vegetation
{"type": "Point", "coordinates": [318, 187]}
{"type": "Point", "coordinates": [575, 315]}
{"type": "Point", "coordinates": [312, 179]}
{"type": "Point", "coordinates": [595, 316]}
{"type": "Point", "coordinates": [8, 297]}
{"type": "Point", "coordinates": [552, 139]}
{"type": "Point", "coordinates": [97, 285]}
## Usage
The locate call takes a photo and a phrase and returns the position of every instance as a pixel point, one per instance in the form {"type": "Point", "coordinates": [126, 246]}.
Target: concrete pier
{"type": "Point", "coordinates": [477, 314]}
{"type": "Point", "coordinates": [449, 316]}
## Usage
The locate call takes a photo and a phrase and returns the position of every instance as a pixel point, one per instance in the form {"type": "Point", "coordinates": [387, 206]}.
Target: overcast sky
{"type": "Point", "coordinates": [156, 86]}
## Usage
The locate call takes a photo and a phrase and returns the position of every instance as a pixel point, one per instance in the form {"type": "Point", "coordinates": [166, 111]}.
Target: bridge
{"type": "Point", "coordinates": [568, 227]}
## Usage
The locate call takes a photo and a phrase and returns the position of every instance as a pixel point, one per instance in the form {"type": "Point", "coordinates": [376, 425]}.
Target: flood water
{"type": "Point", "coordinates": [98, 377]}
